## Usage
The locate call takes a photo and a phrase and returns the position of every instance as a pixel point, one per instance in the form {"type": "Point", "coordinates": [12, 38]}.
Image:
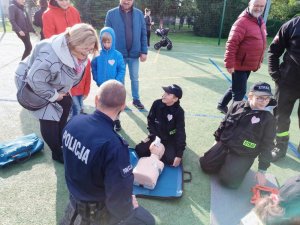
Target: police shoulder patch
{"type": "Point", "coordinates": [126, 171]}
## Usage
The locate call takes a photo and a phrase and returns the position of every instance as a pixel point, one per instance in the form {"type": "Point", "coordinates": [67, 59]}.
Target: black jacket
{"type": "Point", "coordinates": [287, 40]}
{"type": "Point", "coordinates": [248, 132]}
{"type": "Point", "coordinates": [167, 122]}
{"type": "Point", "coordinates": [19, 19]}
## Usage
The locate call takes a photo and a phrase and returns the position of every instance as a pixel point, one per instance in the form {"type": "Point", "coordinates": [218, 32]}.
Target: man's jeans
{"type": "Point", "coordinates": [77, 105]}
{"type": "Point", "coordinates": [238, 89]}
{"type": "Point", "coordinates": [133, 66]}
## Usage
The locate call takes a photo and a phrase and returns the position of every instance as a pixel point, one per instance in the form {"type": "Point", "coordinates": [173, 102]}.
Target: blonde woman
{"type": "Point", "coordinates": [54, 67]}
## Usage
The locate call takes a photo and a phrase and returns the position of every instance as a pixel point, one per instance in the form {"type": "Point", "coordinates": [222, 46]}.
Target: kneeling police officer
{"type": "Point", "coordinates": [97, 166]}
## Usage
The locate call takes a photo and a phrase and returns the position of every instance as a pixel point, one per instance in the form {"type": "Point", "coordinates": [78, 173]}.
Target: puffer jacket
{"type": "Point", "coordinates": [56, 20]}
{"type": "Point", "coordinates": [110, 63]}
{"type": "Point", "coordinates": [246, 43]}
{"type": "Point", "coordinates": [248, 132]}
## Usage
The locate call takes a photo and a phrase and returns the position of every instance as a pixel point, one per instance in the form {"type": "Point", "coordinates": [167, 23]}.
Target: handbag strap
{"type": "Point", "coordinates": [21, 159]}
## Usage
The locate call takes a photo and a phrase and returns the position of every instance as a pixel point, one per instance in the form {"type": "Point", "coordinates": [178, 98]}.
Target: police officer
{"type": "Point", "coordinates": [287, 80]}
{"type": "Point", "coordinates": [97, 167]}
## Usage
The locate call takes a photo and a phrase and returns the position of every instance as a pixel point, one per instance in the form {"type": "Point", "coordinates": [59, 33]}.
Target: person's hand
{"type": "Point", "coordinates": [230, 70]}
{"type": "Point", "coordinates": [21, 33]}
{"type": "Point", "coordinates": [260, 178]}
{"type": "Point", "coordinates": [84, 97]}
{"type": "Point", "coordinates": [176, 162]}
{"type": "Point", "coordinates": [143, 57]}
{"type": "Point", "coordinates": [60, 96]}
{"type": "Point", "coordinates": [134, 202]}
{"type": "Point", "coordinates": [152, 23]}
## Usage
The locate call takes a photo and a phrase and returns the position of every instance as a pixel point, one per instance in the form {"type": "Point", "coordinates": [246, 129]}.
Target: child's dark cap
{"type": "Point", "coordinates": [174, 89]}
{"type": "Point", "coordinates": [261, 88]}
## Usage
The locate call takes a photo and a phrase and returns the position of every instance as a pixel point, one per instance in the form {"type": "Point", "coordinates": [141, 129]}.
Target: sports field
{"type": "Point", "coordinates": [35, 192]}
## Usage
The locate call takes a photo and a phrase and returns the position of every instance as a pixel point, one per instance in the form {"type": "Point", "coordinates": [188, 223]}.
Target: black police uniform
{"type": "Point", "coordinates": [98, 174]}
{"type": "Point", "coordinates": [166, 122]}
{"type": "Point", "coordinates": [243, 135]}
{"type": "Point", "coordinates": [286, 76]}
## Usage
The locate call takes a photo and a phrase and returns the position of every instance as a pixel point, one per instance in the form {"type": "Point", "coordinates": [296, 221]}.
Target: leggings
{"type": "Point", "coordinates": [26, 41]}
{"type": "Point", "coordinates": [52, 130]}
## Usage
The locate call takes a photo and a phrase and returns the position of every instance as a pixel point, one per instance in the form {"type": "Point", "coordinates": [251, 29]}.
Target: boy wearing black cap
{"type": "Point", "coordinates": [166, 120]}
{"type": "Point", "coordinates": [247, 131]}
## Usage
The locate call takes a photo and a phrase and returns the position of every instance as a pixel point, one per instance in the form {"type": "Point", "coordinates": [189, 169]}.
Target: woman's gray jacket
{"type": "Point", "coordinates": [50, 70]}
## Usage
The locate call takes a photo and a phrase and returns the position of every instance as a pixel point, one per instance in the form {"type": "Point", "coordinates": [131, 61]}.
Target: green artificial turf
{"type": "Point", "coordinates": [34, 192]}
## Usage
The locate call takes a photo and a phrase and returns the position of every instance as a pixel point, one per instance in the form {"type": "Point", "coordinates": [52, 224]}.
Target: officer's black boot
{"type": "Point", "coordinates": [281, 146]}
{"type": "Point", "coordinates": [58, 156]}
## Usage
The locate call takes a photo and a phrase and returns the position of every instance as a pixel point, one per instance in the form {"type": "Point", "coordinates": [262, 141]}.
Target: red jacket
{"type": "Point", "coordinates": [56, 20]}
{"type": "Point", "coordinates": [83, 88]}
{"type": "Point", "coordinates": [246, 43]}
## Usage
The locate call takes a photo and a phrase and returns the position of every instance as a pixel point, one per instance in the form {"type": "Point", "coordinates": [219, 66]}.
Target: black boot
{"type": "Point", "coordinates": [58, 156]}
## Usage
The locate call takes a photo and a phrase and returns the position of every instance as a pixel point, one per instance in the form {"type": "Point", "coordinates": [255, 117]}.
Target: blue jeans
{"type": "Point", "coordinates": [133, 67]}
{"type": "Point", "coordinates": [77, 105]}
{"type": "Point", "coordinates": [238, 88]}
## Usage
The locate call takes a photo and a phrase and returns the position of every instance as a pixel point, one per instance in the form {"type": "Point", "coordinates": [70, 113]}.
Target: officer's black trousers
{"type": "Point", "coordinates": [142, 150]}
{"type": "Point", "coordinates": [52, 130]}
{"type": "Point", "coordinates": [79, 213]}
{"type": "Point", "coordinates": [286, 98]}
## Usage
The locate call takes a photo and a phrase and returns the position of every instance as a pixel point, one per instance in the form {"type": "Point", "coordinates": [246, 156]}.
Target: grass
{"type": "Point", "coordinates": [35, 192]}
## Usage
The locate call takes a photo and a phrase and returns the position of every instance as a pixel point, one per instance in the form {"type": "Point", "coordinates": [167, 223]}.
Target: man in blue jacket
{"type": "Point", "coordinates": [131, 40]}
{"type": "Point", "coordinates": [97, 166]}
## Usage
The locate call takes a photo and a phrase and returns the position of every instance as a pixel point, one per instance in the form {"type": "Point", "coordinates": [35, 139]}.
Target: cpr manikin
{"type": "Point", "coordinates": [149, 168]}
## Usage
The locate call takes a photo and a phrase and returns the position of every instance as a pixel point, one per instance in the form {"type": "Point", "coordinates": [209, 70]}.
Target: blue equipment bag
{"type": "Point", "coordinates": [20, 149]}
{"type": "Point", "coordinates": [169, 184]}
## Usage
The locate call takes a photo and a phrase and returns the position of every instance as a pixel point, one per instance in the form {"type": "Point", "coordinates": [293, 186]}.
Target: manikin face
{"type": "Point", "coordinates": [256, 7]}
{"type": "Point", "coordinates": [259, 102]}
{"type": "Point", "coordinates": [126, 4]}
{"type": "Point", "coordinates": [169, 99]}
{"type": "Point", "coordinates": [64, 4]}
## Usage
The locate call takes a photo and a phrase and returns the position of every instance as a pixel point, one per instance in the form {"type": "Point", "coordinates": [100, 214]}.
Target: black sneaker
{"type": "Point", "coordinates": [277, 154]}
{"type": "Point", "coordinates": [222, 109]}
{"type": "Point", "coordinates": [138, 104]}
{"type": "Point", "coordinates": [118, 125]}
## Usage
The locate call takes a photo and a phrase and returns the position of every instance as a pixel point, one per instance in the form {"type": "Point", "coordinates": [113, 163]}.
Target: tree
{"type": "Point", "coordinates": [280, 12]}
{"type": "Point", "coordinates": [208, 20]}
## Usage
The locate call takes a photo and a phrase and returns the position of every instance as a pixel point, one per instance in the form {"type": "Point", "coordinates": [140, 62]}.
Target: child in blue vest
{"type": "Point", "coordinates": [109, 64]}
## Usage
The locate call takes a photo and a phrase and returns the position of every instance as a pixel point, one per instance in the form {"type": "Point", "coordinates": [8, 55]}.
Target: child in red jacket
{"type": "Point", "coordinates": [81, 91]}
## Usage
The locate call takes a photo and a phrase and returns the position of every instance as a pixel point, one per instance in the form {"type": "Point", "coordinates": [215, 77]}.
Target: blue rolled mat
{"type": "Point", "coordinates": [169, 183]}
{"type": "Point", "coordinates": [20, 149]}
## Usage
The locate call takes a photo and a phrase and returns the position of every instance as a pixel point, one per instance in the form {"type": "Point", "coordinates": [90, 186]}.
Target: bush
{"type": "Point", "coordinates": [273, 26]}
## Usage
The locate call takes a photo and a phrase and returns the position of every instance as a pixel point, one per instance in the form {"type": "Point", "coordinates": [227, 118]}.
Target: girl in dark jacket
{"type": "Point", "coordinates": [21, 24]}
